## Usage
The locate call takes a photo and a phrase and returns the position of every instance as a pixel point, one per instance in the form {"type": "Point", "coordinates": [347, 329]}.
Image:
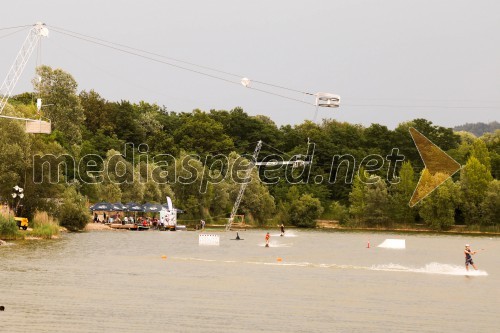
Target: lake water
{"type": "Point", "coordinates": [117, 281]}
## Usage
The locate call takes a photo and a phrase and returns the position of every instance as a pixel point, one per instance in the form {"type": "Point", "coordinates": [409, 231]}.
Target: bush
{"type": "Point", "coordinates": [73, 213]}
{"type": "Point", "coordinates": [339, 212]}
{"type": "Point", "coordinates": [8, 228]}
{"type": "Point", "coordinates": [304, 211]}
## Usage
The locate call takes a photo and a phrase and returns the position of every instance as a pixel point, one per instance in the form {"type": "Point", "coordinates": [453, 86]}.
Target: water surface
{"type": "Point", "coordinates": [325, 282]}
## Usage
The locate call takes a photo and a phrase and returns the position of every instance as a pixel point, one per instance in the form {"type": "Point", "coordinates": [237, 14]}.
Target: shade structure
{"type": "Point", "coordinates": [133, 207]}
{"type": "Point", "coordinates": [104, 206]}
{"type": "Point", "coordinates": [151, 207]}
{"type": "Point", "coordinates": [118, 207]}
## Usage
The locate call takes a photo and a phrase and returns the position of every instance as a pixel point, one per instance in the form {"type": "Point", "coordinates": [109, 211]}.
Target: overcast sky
{"type": "Point", "coordinates": [389, 60]}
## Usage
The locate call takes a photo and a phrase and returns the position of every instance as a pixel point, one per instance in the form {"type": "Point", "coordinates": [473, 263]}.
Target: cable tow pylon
{"type": "Point", "coordinates": [38, 31]}
{"type": "Point", "coordinates": [244, 185]}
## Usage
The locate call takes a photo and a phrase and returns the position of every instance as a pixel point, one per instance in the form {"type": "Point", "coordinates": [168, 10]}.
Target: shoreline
{"type": "Point", "coordinates": [454, 230]}
{"type": "Point", "coordinates": [410, 230]}
{"type": "Point", "coordinates": [334, 226]}
{"type": "Point", "coordinates": [331, 226]}
{"type": "Point", "coordinates": [323, 225]}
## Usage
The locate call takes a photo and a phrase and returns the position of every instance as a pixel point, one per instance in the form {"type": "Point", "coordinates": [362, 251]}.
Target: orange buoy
{"type": "Point", "coordinates": [164, 257]}
{"type": "Point", "coordinates": [279, 259]}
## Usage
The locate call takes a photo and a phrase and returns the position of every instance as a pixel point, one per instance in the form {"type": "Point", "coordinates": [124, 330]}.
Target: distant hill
{"type": "Point", "coordinates": [478, 129]}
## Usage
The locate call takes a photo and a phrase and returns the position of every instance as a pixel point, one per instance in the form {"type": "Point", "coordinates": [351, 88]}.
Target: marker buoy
{"type": "Point", "coordinates": [164, 257]}
{"type": "Point", "coordinates": [368, 245]}
{"type": "Point", "coordinates": [279, 259]}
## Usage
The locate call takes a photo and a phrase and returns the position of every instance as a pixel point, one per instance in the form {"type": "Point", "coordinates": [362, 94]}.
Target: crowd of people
{"type": "Point", "coordinates": [117, 218]}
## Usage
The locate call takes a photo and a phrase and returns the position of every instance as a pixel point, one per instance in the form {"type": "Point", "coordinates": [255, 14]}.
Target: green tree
{"type": "Point", "coordinates": [125, 117]}
{"type": "Point", "coordinates": [185, 180]}
{"type": "Point", "coordinates": [109, 192]}
{"type": "Point", "coordinates": [201, 134]}
{"type": "Point", "coordinates": [257, 203]}
{"type": "Point", "coordinates": [438, 209]}
{"type": "Point", "coordinates": [490, 206]}
{"type": "Point", "coordinates": [158, 139]}
{"type": "Point", "coordinates": [379, 138]}
{"type": "Point", "coordinates": [58, 91]}
{"type": "Point", "coordinates": [13, 157]}
{"type": "Point", "coordinates": [492, 141]}
{"type": "Point", "coordinates": [357, 200]}
{"type": "Point", "coordinates": [304, 211]}
{"type": "Point", "coordinates": [73, 213]}
{"type": "Point", "coordinates": [97, 112]}
{"type": "Point", "coordinates": [339, 212]}
{"type": "Point", "coordinates": [400, 194]}
{"type": "Point", "coordinates": [377, 200]}
{"type": "Point", "coordinates": [245, 130]}
{"type": "Point", "coordinates": [474, 180]}
{"type": "Point", "coordinates": [462, 152]}
{"type": "Point", "coordinates": [480, 152]}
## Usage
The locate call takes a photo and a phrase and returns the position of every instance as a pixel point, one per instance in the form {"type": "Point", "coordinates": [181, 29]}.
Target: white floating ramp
{"type": "Point", "coordinates": [393, 244]}
{"type": "Point", "coordinates": [208, 239]}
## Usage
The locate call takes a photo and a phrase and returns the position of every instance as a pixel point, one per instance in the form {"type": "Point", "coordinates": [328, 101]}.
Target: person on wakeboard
{"type": "Point", "coordinates": [468, 257]}
{"type": "Point", "coordinates": [267, 239]}
{"type": "Point", "coordinates": [282, 228]}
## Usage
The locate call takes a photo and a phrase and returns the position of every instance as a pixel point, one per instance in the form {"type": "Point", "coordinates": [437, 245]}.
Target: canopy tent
{"type": "Point", "coordinates": [133, 207]}
{"type": "Point", "coordinates": [102, 206]}
{"type": "Point", "coordinates": [118, 207]}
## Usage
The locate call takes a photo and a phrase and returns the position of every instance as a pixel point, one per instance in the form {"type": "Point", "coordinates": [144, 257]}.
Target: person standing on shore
{"type": "Point", "coordinates": [468, 257]}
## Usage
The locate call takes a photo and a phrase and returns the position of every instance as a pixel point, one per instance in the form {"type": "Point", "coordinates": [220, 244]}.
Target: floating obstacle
{"type": "Point", "coordinates": [393, 244]}
{"type": "Point", "coordinates": [208, 239]}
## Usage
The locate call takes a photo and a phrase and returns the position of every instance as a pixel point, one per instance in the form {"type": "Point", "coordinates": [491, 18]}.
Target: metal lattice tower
{"type": "Point", "coordinates": [38, 31]}
{"type": "Point", "coordinates": [244, 185]}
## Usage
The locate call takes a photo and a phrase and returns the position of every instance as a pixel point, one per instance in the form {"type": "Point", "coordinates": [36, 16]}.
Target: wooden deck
{"type": "Point", "coordinates": [128, 226]}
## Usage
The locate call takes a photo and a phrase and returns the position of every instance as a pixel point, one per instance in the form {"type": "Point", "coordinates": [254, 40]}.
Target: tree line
{"type": "Point", "coordinates": [86, 124]}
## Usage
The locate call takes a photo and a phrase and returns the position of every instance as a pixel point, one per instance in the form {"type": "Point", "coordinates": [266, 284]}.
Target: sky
{"type": "Point", "coordinates": [390, 61]}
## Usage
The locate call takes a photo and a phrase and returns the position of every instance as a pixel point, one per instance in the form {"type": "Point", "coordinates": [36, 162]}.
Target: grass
{"type": "Point", "coordinates": [8, 227]}
{"type": "Point", "coordinates": [44, 226]}
{"type": "Point", "coordinates": [482, 228]}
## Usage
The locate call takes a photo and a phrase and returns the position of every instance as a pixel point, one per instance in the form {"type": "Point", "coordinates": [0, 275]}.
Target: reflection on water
{"type": "Point", "coordinates": [322, 282]}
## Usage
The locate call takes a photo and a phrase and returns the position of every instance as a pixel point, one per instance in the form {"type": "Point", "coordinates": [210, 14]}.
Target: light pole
{"type": "Point", "coordinates": [17, 193]}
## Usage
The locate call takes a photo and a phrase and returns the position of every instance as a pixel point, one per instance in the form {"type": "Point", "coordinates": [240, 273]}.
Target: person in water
{"type": "Point", "coordinates": [267, 239]}
{"type": "Point", "coordinates": [468, 257]}
{"type": "Point", "coordinates": [282, 228]}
